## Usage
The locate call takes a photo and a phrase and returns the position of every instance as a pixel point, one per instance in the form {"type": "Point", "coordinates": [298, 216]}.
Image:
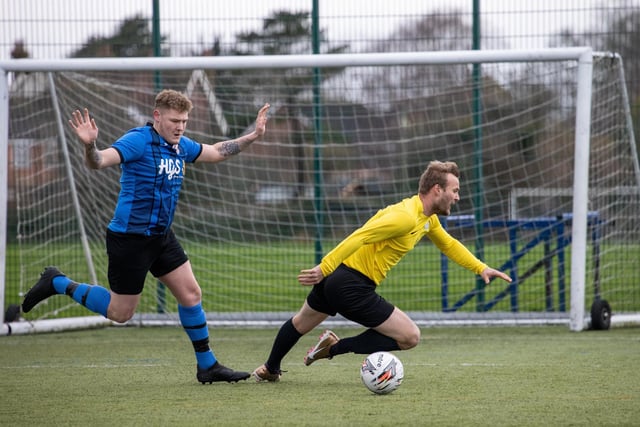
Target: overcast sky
{"type": "Point", "coordinates": [27, 20]}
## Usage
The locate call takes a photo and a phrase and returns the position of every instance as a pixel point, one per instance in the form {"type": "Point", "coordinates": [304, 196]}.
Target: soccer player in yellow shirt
{"type": "Point", "coordinates": [346, 279]}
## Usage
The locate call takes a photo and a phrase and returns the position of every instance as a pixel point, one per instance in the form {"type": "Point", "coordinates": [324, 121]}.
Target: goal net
{"type": "Point", "coordinates": [549, 185]}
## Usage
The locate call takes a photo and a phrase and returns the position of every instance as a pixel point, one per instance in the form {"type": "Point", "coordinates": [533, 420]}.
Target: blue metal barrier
{"type": "Point", "coordinates": [552, 233]}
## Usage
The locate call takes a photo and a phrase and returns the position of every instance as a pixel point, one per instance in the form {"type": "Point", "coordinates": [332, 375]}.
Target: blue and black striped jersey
{"type": "Point", "coordinates": [152, 172]}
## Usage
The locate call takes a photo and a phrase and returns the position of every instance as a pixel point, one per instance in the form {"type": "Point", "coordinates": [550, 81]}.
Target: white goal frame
{"type": "Point", "coordinates": [582, 55]}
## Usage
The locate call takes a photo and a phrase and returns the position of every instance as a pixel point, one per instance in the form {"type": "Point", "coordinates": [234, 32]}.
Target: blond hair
{"type": "Point", "coordinates": [436, 173]}
{"type": "Point", "coordinates": [169, 99]}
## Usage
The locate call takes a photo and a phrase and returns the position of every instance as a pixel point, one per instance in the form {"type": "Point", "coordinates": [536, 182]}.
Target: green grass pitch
{"type": "Point", "coordinates": [121, 376]}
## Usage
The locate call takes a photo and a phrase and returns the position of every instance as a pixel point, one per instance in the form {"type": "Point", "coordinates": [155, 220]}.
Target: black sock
{"type": "Point", "coordinates": [287, 337]}
{"type": "Point", "coordinates": [367, 342]}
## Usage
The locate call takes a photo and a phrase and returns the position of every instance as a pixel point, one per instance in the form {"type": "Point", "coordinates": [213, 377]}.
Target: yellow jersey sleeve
{"type": "Point", "coordinates": [452, 248]}
{"type": "Point", "coordinates": [379, 244]}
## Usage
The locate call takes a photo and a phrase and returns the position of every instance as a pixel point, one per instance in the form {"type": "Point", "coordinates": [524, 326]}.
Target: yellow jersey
{"type": "Point", "coordinates": [386, 237]}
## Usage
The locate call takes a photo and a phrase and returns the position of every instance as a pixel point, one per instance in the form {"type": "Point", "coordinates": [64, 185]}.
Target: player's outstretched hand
{"type": "Point", "coordinates": [84, 126]}
{"type": "Point", "coordinates": [489, 273]}
{"type": "Point", "coordinates": [261, 120]}
{"type": "Point", "coordinates": [310, 277]}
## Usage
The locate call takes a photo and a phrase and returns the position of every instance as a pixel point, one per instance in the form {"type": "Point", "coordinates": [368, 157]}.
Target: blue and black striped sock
{"type": "Point", "coordinates": [194, 322]}
{"type": "Point", "coordinates": [94, 297]}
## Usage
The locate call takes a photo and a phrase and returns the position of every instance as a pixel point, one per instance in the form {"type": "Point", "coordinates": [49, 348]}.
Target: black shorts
{"type": "Point", "coordinates": [132, 256]}
{"type": "Point", "coordinates": [353, 295]}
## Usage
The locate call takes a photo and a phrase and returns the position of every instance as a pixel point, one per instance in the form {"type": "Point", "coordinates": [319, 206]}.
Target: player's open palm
{"type": "Point", "coordinates": [84, 126]}
{"type": "Point", "coordinates": [261, 120]}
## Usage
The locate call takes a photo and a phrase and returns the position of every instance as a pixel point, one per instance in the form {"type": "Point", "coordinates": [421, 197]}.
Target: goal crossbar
{"type": "Point", "coordinates": [302, 61]}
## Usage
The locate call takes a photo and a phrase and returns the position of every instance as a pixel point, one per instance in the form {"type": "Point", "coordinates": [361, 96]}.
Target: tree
{"type": "Point", "coordinates": [618, 31]}
{"type": "Point", "coordinates": [283, 33]}
{"type": "Point", "coordinates": [623, 37]}
{"type": "Point", "coordinates": [132, 39]}
{"type": "Point", "coordinates": [437, 102]}
{"type": "Point", "coordinates": [19, 51]}
{"type": "Point", "coordinates": [434, 32]}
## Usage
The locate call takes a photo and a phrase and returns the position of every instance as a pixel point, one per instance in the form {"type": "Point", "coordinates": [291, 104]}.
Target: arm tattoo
{"type": "Point", "coordinates": [229, 148]}
{"type": "Point", "coordinates": [92, 155]}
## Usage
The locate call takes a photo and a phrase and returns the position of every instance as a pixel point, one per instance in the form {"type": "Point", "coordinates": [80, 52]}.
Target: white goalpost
{"type": "Point", "coordinates": [550, 185]}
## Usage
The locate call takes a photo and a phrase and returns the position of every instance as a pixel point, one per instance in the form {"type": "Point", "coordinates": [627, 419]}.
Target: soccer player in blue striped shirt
{"type": "Point", "coordinates": [139, 238]}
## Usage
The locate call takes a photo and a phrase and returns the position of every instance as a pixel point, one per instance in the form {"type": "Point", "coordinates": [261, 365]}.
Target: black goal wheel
{"type": "Point", "coordinates": [12, 314]}
{"type": "Point", "coordinates": [600, 315]}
